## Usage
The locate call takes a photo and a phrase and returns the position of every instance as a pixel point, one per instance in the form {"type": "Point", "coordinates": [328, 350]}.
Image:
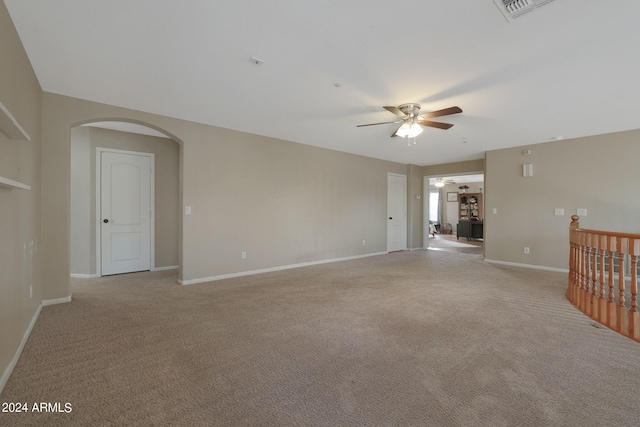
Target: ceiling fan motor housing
{"type": "Point", "coordinates": [411, 110]}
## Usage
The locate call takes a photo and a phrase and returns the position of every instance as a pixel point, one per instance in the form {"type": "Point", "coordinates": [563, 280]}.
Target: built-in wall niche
{"type": "Point", "coordinates": [10, 127]}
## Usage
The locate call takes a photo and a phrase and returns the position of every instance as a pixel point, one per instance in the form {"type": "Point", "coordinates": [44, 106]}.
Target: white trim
{"type": "Point", "coordinates": [47, 302]}
{"type": "Point", "coordinates": [7, 372]}
{"type": "Point", "coordinates": [98, 200]}
{"type": "Point", "coordinates": [168, 267]}
{"type": "Point", "coordinates": [535, 267]}
{"type": "Point", "coordinates": [83, 276]}
{"type": "Point", "coordinates": [269, 270]}
{"type": "Point", "coordinates": [9, 183]}
{"type": "Point", "coordinates": [425, 198]}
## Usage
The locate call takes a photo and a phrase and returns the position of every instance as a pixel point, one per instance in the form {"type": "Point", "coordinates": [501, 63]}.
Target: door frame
{"type": "Point", "coordinates": [98, 203]}
{"type": "Point", "coordinates": [425, 199]}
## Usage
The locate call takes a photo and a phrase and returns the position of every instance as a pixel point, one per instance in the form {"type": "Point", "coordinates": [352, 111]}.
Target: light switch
{"type": "Point", "coordinates": [559, 211]}
{"type": "Point", "coordinates": [187, 210]}
{"type": "Point", "coordinates": [494, 211]}
{"type": "Point", "coordinates": [582, 212]}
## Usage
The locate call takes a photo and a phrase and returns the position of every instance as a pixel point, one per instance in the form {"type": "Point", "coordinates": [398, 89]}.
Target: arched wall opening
{"type": "Point", "coordinates": [87, 140]}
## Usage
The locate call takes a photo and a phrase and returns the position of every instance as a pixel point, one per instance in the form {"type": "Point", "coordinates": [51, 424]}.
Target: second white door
{"type": "Point", "coordinates": [396, 212]}
{"type": "Point", "coordinates": [125, 212]}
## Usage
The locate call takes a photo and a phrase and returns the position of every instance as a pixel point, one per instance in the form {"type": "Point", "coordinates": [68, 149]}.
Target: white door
{"type": "Point", "coordinates": [125, 212]}
{"type": "Point", "coordinates": [396, 212]}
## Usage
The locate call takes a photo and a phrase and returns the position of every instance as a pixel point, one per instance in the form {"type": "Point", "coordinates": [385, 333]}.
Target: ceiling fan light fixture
{"type": "Point", "coordinates": [439, 183]}
{"type": "Point", "coordinates": [409, 130]}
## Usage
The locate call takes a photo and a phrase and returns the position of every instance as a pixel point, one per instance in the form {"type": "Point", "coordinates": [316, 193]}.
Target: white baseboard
{"type": "Point", "coordinates": [83, 276]}
{"type": "Point", "coordinates": [47, 302]}
{"type": "Point", "coordinates": [7, 372]}
{"type": "Point", "coordinates": [168, 267]}
{"type": "Point", "coordinates": [269, 270]}
{"type": "Point", "coordinates": [535, 267]}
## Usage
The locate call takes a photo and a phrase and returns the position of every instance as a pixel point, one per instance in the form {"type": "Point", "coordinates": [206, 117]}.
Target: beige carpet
{"type": "Point", "coordinates": [405, 339]}
{"type": "Point", "coordinates": [449, 243]}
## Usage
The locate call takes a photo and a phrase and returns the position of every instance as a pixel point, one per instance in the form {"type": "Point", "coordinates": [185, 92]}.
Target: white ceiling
{"type": "Point", "coordinates": [570, 68]}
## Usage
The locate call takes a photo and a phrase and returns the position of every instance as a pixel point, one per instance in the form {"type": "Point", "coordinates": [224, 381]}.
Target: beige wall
{"type": "Point", "coordinates": [280, 202]}
{"type": "Point", "coordinates": [415, 208]}
{"type": "Point", "coordinates": [84, 142]}
{"type": "Point", "coordinates": [457, 168]}
{"type": "Point", "coordinates": [20, 210]}
{"type": "Point", "coordinates": [596, 173]}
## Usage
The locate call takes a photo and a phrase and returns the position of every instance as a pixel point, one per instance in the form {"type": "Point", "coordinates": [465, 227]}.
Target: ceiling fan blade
{"type": "Point", "coordinates": [438, 125]}
{"type": "Point", "coordinates": [382, 123]}
{"type": "Point", "coordinates": [444, 112]}
{"type": "Point", "coordinates": [395, 111]}
{"type": "Point", "coordinates": [395, 133]}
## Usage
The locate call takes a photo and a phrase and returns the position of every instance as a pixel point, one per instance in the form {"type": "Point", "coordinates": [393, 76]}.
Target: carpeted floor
{"type": "Point", "coordinates": [449, 243]}
{"type": "Point", "coordinates": [423, 338]}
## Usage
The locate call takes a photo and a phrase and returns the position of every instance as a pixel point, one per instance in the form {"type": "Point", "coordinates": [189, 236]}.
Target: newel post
{"type": "Point", "coordinates": [575, 221]}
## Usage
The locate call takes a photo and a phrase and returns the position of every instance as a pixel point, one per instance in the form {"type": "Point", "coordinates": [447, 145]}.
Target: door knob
{"type": "Point", "coordinates": [105, 221]}
{"type": "Point", "coordinates": [390, 217]}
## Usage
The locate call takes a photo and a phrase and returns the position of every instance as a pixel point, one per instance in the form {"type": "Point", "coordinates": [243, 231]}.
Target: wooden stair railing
{"type": "Point", "coordinates": [603, 277]}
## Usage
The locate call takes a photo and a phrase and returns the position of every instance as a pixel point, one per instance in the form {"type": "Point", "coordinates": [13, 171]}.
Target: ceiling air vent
{"type": "Point", "coordinates": [513, 8]}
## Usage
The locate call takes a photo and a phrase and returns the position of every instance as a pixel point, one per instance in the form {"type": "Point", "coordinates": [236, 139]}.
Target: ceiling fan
{"type": "Point", "coordinates": [412, 121]}
{"type": "Point", "coordinates": [440, 182]}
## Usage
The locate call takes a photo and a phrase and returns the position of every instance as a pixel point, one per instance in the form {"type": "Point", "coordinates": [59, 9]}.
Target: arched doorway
{"type": "Point", "coordinates": [89, 141]}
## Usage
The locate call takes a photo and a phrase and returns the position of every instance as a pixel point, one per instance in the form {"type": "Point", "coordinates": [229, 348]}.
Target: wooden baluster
{"type": "Point", "coordinates": [590, 268]}
{"type": "Point", "coordinates": [573, 273]}
{"type": "Point", "coordinates": [634, 315]}
{"type": "Point", "coordinates": [571, 268]}
{"type": "Point", "coordinates": [578, 278]}
{"type": "Point", "coordinates": [573, 259]}
{"type": "Point", "coordinates": [583, 272]}
{"type": "Point", "coordinates": [602, 302]}
{"type": "Point", "coordinates": [611, 304]}
{"type": "Point", "coordinates": [595, 314]}
{"type": "Point", "coordinates": [621, 309]}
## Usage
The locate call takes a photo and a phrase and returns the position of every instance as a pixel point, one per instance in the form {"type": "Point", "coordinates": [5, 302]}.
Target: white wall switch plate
{"type": "Point", "coordinates": [187, 210]}
{"type": "Point", "coordinates": [559, 211]}
{"type": "Point", "coordinates": [582, 212]}
{"type": "Point", "coordinates": [495, 211]}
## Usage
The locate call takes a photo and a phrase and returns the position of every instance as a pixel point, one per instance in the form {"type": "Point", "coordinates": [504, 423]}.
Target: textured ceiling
{"type": "Point", "coordinates": [569, 68]}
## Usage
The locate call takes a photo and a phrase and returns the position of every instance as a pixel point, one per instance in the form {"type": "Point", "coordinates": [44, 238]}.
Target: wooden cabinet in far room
{"type": "Point", "coordinates": [470, 206]}
{"type": "Point", "coordinates": [470, 224]}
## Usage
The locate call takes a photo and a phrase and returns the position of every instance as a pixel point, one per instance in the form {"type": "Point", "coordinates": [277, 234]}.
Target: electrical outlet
{"type": "Point", "coordinates": [243, 255]}
{"type": "Point", "coordinates": [526, 249]}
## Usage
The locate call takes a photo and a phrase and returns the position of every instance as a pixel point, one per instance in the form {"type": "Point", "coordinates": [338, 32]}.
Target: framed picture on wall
{"type": "Point", "coordinates": [452, 197]}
